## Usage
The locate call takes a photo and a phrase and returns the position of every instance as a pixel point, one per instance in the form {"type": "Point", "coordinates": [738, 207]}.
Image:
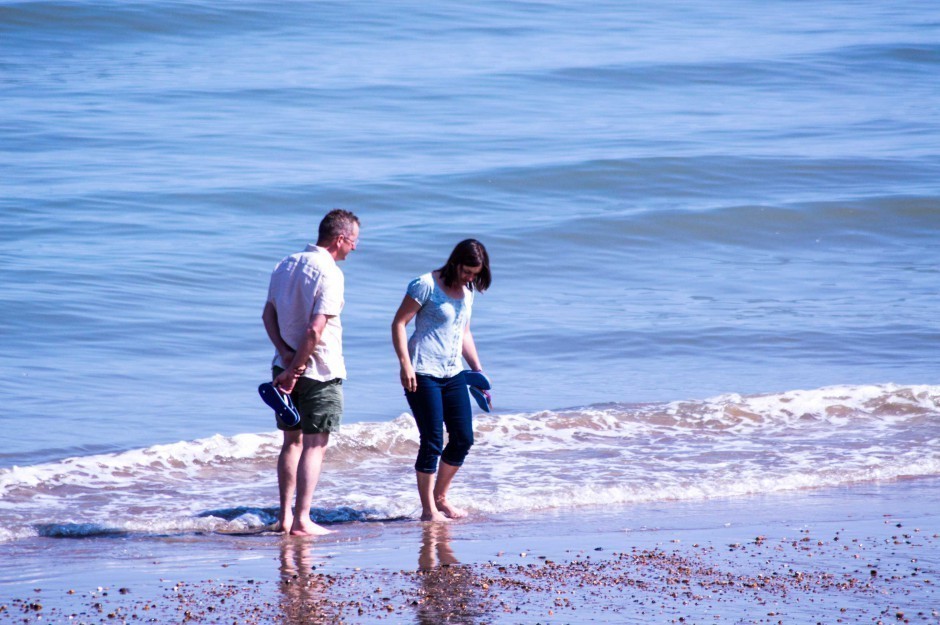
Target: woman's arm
{"type": "Point", "coordinates": [406, 312]}
{"type": "Point", "coordinates": [470, 350]}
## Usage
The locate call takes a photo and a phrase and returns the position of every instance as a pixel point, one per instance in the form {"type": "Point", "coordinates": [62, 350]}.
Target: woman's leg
{"type": "Point", "coordinates": [445, 476]}
{"type": "Point", "coordinates": [458, 417]}
{"type": "Point", "coordinates": [429, 510]}
{"type": "Point", "coordinates": [427, 407]}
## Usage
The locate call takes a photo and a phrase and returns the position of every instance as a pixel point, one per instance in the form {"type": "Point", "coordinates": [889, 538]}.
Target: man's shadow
{"type": "Point", "coordinates": [305, 597]}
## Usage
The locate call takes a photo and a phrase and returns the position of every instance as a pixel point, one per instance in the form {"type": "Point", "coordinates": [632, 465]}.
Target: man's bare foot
{"type": "Point", "coordinates": [308, 529]}
{"type": "Point", "coordinates": [434, 517]}
{"type": "Point", "coordinates": [451, 512]}
{"type": "Point", "coordinates": [281, 527]}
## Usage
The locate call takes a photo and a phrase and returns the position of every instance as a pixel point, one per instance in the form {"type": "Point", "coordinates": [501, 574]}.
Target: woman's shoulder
{"type": "Point", "coordinates": [421, 287]}
{"type": "Point", "coordinates": [425, 280]}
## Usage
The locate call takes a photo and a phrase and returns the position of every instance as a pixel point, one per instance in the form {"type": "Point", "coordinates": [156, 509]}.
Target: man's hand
{"type": "Point", "coordinates": [287, 356]}
{"type": "Point", "coordinates": [285, 381]}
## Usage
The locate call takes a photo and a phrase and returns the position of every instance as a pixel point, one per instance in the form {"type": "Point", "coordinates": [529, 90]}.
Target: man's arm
{"type": "Point", "coordinates": [298, 364]}
{"type": "Point", "coordinates": [269, 317]}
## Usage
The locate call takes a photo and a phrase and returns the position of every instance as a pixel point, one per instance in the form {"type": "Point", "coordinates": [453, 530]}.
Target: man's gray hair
{"type": "Point", "coordinates": [335, 223]}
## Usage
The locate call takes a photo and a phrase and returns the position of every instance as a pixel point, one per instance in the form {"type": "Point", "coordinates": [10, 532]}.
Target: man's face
{"type": "Point", "coordinates": [348, 242]}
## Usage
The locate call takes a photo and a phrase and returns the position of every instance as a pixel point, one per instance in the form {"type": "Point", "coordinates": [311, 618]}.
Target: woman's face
{"type": "Point", "coordinates": [467, 274]}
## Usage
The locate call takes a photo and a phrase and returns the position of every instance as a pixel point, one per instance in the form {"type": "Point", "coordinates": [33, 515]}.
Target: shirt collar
{"type": "Point", "coordinates": [319, 250]}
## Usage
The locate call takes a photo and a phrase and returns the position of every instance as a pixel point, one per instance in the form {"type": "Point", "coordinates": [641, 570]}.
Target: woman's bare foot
{"type": "Point", "coordinates": [309, 528]}
{"type": "Point", "coordinates": [435, 517]}
{"type": "Point", "coordinates": [451, 512]}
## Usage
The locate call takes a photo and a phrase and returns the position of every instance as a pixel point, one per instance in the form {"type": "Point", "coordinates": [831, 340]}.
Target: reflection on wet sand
{"type": "Point", "coordinates": [305, 591]}
{"type": "Point", "coordinates": [435, 547]}
{"type": "Point", "coordinates": [448, 592]}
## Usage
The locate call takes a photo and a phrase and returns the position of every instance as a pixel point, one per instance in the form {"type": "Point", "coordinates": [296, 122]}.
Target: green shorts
{"type": "Point", "coordinates": [320, 404]}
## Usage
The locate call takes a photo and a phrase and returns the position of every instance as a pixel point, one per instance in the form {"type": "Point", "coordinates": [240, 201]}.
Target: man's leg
{"type": "Point", "coordinates": [291, 447]}
{"type": "Point", "coordinates": [308, 474]}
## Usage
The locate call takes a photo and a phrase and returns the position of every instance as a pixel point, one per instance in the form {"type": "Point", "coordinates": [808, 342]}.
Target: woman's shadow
{"type": "Point", "coordinates": [448, 591]}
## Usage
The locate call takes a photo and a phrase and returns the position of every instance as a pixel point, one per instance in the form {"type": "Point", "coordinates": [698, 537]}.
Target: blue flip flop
{"type": "Point", "coordinates": [284, 410]}
{"type": "Point", "coordinates": [478, 385]}
{"type": "Point", "coordinates": [481, 397]}
{"type": "Point", "coordinates": [477, 379]}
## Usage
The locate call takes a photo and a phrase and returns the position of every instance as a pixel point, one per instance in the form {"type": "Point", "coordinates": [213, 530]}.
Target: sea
{"type": "Point", "coordinates": [714, 231]}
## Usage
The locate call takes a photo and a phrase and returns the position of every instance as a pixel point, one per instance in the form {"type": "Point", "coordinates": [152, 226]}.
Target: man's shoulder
{"type": "Point", "coordinates": [312, 256]}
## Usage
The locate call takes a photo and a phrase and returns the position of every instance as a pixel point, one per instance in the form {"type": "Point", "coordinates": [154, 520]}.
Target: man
{"type": "Point", "coordinates": [301, 317]}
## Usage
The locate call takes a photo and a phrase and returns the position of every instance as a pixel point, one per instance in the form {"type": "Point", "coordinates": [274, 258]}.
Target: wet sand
{"type": "Point", "coordinates": [867, 554]}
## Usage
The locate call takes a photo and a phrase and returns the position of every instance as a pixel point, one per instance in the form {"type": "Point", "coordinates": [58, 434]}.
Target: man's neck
{"type": "Point", "coordinates": [332, 248]}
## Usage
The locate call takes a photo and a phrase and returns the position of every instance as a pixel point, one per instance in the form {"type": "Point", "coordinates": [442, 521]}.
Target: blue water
{"type": "Point", "coordinates": [680, 200]}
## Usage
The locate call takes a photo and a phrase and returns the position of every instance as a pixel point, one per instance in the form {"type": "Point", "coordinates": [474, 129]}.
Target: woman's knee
{"type": "Point", "coordinates": [429, 450]}
{"type": "Point", "coordinates": [427, 463]}
{"type": "Point", "coordinates": [457, 450]}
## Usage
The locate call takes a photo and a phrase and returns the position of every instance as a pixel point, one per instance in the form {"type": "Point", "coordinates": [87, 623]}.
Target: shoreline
{"type": "Point", "coordinates": [866, 553]}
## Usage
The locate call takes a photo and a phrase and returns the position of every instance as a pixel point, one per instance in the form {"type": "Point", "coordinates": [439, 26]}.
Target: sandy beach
{"type": "Point", "coordinates": [712, 330]}
{"type": "Point", "coordinates": [865, 554]}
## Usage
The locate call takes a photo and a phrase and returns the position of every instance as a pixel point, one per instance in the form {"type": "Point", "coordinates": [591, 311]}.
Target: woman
{"type": "Point", "coordinates": [432, 373]}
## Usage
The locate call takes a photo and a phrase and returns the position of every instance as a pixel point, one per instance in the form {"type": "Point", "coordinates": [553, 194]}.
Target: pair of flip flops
{"type": "Point", "coordinates": [284, 410]}
{"type": "Point", "coordinates": [478, 385]}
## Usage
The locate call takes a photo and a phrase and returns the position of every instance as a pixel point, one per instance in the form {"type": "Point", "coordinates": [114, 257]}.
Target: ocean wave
{"type": "Point", "coordinates": [858, 223]}
{"type": "Point", "coordinates": [726, 446]}
{"type": "Point", "coordinates": [115, 469]}
{"type": "Point", "coordinates": [720, 187]}
{"type": "Point", "coordinates": [796, 70]}
{"type": "Point", "coordinates": [93, 23]}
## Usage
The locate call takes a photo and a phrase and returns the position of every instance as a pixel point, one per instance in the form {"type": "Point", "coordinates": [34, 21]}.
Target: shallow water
{"type": "Point", "coordinates": [681, 202]}
{"type": "Point", "coordinates": [728, 446]}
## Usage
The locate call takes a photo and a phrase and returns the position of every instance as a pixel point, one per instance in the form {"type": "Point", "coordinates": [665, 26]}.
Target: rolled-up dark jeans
{"type": "Point", "coordinates": [436, 404]}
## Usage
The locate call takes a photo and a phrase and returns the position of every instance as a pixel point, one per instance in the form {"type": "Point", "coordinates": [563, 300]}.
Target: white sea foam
{"type": "Point", "coordinates": [182, 459]}
{"type": "Point", "coordinates": [726, 446]}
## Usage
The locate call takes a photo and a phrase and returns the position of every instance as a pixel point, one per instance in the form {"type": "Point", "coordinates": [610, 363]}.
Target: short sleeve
{"type": "Point", "coordinates": [273, 283]}
{"type": "Point", "coordinates": [330, 301]}
{"type": "Point", "coordinates": [419, 289]}
{"type": "Point", "coordinates": [271, 298]}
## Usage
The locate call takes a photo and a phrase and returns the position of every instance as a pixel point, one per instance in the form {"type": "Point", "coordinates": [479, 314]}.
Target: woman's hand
{"type": "Point", "coordinates": [408, 380]}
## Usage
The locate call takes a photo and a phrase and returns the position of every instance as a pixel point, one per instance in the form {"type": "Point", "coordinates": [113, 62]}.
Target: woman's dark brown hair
{"type": "Point", "coordinates": [469, 253]}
